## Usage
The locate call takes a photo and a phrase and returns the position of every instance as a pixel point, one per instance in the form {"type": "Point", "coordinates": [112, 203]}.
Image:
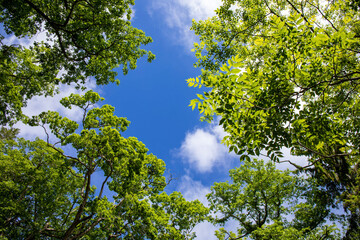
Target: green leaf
{"type": "Point", "coordinates": [235, 71]}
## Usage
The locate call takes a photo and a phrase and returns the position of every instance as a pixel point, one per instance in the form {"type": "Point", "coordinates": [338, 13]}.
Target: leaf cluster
{"type": "Point", "coordinates": [83, 39]}
{"type": "Point", "coordinates": [49, 194]}
{"type": "Point", "coordinates": [285, 74]}
{"type": "Point", "coordinates": [266, 203]}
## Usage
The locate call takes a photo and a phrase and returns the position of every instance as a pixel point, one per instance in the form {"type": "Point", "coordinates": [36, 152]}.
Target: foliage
{"type": "Point", "coordinates": [49, 194]}
{"type": "Point", "coordinates": [285, 74]}
{"type": "Point", "coordinates": [8, 133]}
{"type": "Point", "coordinates": [181, 213]}
{"type": "Point", "coordinates": [261, 199]}
{"type": "Point", "coordinates": [108, 186]}
{"type": "Point", "coordinates": [83, 39]}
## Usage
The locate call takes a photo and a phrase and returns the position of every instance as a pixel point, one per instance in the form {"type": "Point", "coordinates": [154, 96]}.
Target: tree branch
{"type": "Point", "coordinates": [302, 15]}
{"type": "Point", "coordinates": [322, 14]}
{"type": "Point", "coordinates": [78, 236]}
{"type": "Point", "coordinates": [81, 207]}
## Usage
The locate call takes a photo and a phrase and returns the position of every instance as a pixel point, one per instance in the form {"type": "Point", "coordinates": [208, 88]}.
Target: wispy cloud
{"type": "Point", "coordinates": [178, 15]}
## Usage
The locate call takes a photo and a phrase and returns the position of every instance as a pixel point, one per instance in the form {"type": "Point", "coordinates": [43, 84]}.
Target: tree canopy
{"type": "Point", "coordinates": [278, 74]}
{"type": "Point", "coordinates": [285, 74]}
{"type": "Point", "coordinates": [107, 186]}
{"type": "Point", "coordinates": [267, 203]}
{"type": "Point", "coordinates": [83, 39]}
{"type": "Point", "coordinates": [49, 194]}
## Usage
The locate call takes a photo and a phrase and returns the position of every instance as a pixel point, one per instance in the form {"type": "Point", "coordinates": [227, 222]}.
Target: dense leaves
{"type": "Point", "coordinates": [285, 74]}
{"type": "Point", "coordinates": [92, 183]}
{"type": "Point", "coordinates": [83, 39]}
{"type": "Point", "coordinates": [47, 193]}
{"type": "Point", "coordinates": [267, 203]}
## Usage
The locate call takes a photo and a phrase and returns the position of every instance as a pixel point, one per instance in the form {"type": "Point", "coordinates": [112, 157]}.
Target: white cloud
{"type": "Point", "coordinates": [203, 150]}
{"type": "Point", "coordinates": [179, 14]}
{"type": "Point", "coordinates": [192, 190]}
{"type": "Point", "coordinates": [205, 231]}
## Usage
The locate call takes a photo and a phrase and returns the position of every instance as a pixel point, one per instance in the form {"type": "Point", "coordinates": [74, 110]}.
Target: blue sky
{"type": "Point", "coordinates": [155, 96]}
